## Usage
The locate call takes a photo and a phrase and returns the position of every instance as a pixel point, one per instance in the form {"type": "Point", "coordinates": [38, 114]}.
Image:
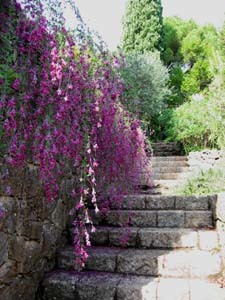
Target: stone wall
{"type": "Point", "coordinates": [206, 159]}
{"type": "Point", "coordinates": [30, 231]}
{"type": "Point", "coordinates": [219, 217]}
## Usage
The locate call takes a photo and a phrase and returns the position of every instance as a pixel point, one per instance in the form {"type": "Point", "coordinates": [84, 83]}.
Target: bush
{"type": "Point", "coordinates": [200, 123]}
{"type": "Point", "coordinates": [175, 82]}
{"type": "Point", "coordinates": [216, 118]}
{"type": "Point", "coordinates": [207, 182]}
{"type": "Point", "coordinates": [189, 125]}
{"type": "Point", "coordinates": [145, 80]}
{"type": "Point", "coordinates": [197, 79]}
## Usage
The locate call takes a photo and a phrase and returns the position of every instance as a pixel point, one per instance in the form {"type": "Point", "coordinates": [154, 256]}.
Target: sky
{"type": "Point", "coordinates": [105, 16]}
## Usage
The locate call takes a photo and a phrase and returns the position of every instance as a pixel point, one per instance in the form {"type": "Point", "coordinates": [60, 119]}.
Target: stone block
{"type": "Point", "coordinates": [160, 202]}
{"type": "Point", "coordinates": [97, 286]}
{"type": "Point", "coordinates": [134, 202]}
{"type": "Point", "coordinates": [16, 248]}
{"type": "Point", "coordinates": [31, 230]}
{"type": "Point", "coordinates": [169, 289]}
{"type": "Point", "coordinates": [139, 262]}
{"type": "Point", "coordinates": [65, 259]}
{"type": "Point", "coordinates": [193, 264]}
{"type": "Point", "coordinates": [102, 259]}
{"type": "Point", "coordinates": [175, 264]}
{"type": "Point", "coordinates": [49, 239]}
{"type": "Point", "coordinates": [97, 218]}
{"type": "Point", "coordinates": [171, 219]}
{"type": "Point", "coordinates": [198, 219]}
{"type": "Point", "coordinates": [58, 286]}
{"type": "Point", "coordinates": [133, 288]}
{"type": "Point", "coordinates": [192, 203]}
{"type": "Point", "coordinates": [8, 272]}
{"type": "Point", "coordinates": [9, 222]}
{"type": "Point", "coordinates": [100, 236]}
{"type": "Point", "coordinates": [167, 238]}
{"type": "Point", "coordinates": [18, 289]}
{"type": "Point", "coordinates": [208, 240]}
{"type": "Point", "coordinates": [203, 290]}
{"type": "Point", "coordinates": [30, 258]}
{"type": "Point", "coordinates": [3, 248]}
{"type": "Point", "coordinates": [205, 264]}
{"type": "Point", "coordinates": [123, 236]}
{"type": "Point", "coordinates": [133, 218]}
{"type": "Point", "coordinates": [144, 218]}
{"type": "Point", "coordinates": [59, 215]}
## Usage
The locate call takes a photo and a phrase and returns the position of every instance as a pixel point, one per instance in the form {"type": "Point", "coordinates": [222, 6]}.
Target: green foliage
{"type": "Point", "coordinates": [161, 128]}
{"type": "Point", "coordinates": [207, 182]}
{"type": "Point", "coordinates": [189, 125]}
{"type": "Point", "coordinates": [145, 80]}
{"type": "Point", "coordinates": [195, 56]}
{"type": "Point", "coordinates": [222, 39]}
{"type": "Point", "coordinates": [175, 30]}
{"type": "Point", "coordinates": [7, 75]}
{"type": "Point", "coordinates": [142, 26]}
{"type": "Point", "coordinates": [176, 79]}
{"type": "Point", "coordinates": [189, 47]}
{"type": "Point", "coordinates": [197, 79]}
{"type": "Point", "coordinates": [216, 115]}
{"type": "Point", "coordinates": [200, 123]}
{"type": "Point", "coordinates": [198, 44]}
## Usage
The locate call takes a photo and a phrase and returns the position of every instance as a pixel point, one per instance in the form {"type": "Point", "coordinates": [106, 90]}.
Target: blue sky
{"type": "Point", "coordinates": [105, 16]}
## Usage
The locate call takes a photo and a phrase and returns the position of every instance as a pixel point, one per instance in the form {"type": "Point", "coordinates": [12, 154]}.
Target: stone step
{"type": "Point", "coordinates": [170, 176]}
{"type": "Point", "coordinates": [164, 263]}
{"type": "Point", "coordinates": [156, 218]}
{"type": "Point", "coordinates": [154, 238]}
{"type": "Point", "coordinates": [164, 153]}
{"type": "Point", "coordinates": [169, 183]}
{"type": "Point", "coordinates": [169, 158]}
{"type": "Point", "coordinates": [163, 202]}
{"type": "Point", "coordinates": [170, 169]}
{"type": "Point", "coordinates": [169, 164]}
{"type": "Point", "coordinates": [62, 285]}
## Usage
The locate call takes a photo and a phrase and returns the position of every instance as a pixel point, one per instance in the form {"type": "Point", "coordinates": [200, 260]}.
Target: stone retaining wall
{"type": "Point", "coordinates": [30, 231]}
{"type": "Point", "coordinates": [206, 159]}
{"type": "Point", "coordinates": [219, 217]}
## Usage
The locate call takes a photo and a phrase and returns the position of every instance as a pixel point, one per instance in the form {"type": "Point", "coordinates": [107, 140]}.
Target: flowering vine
{"type": "Point", "coordinates": [60, 106]}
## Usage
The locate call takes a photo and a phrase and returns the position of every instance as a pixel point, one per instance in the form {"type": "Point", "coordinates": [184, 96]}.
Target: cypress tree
{"type": "Point", "coordinates": [142, 26]}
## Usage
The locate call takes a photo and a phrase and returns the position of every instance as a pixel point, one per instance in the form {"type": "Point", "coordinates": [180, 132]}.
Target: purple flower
{"type": "Point", "coordinates": [8, 190]}
{"type": "Point", "coordinates": [70, 120]}
{"type": "Point", "coordinates": [16, 84]}
{"type": "Point", "coordinates": [2, 212]}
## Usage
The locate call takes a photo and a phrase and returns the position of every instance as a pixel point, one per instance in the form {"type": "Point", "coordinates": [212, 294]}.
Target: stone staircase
{"type": "Point", "coordinates": [170, 168]}
{"type": "Point", "coordinates": [171, 252]}
{"type": "Point", "coordinates": [169, 173]}
{"type": "Point", "coordinates": [166, 149]}
{"type": "Point", "coordinates": [169, 255]}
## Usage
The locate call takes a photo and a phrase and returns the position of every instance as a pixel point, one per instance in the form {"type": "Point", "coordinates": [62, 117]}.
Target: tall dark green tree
{"type": "Point", "coordinates": [142, 26]}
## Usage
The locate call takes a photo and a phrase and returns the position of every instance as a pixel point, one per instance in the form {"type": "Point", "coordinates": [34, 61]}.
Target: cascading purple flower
{"type": "Point", "coordinates": [64, 109]}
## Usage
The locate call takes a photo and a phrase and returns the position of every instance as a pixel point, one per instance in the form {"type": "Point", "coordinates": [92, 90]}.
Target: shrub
{"type": "Point", "coordinates": [145, 81]}
{"type": "Point", "coordinates": [190, 125]}
{"type": "Point", "coordinates": [207, 182]}
{"type": "Point", "coordinates": [175, 82]}
{"type": "Point", "coordinates": [197, 79]}
{"type": "Point", "coordinates": [200, 123]}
